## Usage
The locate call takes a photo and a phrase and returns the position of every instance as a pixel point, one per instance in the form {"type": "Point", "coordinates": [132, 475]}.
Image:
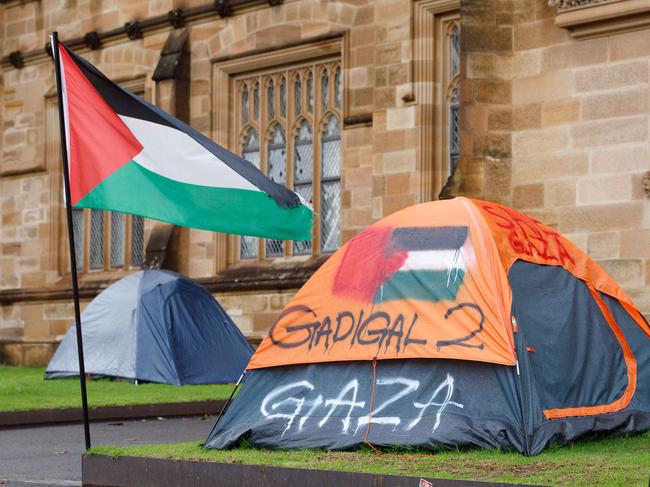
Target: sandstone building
{"type": "Point", "coordinates": [363, 106]}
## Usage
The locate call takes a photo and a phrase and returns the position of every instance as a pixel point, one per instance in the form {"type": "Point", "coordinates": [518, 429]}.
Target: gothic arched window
{"type": "Point", "coordinates": [295, 138]}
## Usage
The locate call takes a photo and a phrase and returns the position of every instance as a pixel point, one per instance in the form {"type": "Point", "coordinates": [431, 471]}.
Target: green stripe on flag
{"type": "Point", "coordinates": [421, 285]}
{"type": "Point", "coordinates": [134, 189]}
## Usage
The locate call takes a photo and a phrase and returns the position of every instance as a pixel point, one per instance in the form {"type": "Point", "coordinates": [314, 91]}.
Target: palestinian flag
{"type": "Point", "coordinates": [418, 263]}
{"type": "Point", "coordinates": [129, 156]}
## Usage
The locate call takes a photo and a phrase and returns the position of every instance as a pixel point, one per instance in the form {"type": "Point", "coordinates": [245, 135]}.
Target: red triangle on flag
{"type": "Point", "coordinates": [99, 141]}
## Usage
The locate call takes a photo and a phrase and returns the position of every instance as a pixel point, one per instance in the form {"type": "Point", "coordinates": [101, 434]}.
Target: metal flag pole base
{"type": "Point", "coordinates": [73, 256]}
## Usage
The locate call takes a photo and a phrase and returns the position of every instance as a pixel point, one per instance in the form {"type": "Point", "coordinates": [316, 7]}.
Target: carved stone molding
{"type": "Point", "coordinates": [645, 183]}
{"type": "Point", "coordinates": [16, 59]}
{"type": "Point", "coordinates": [566, 4]}
{"type": "Point", "coordinates": [92, 40]}
{"type": "Point", "coordinates": [176, 18]}
{"type": "Point", "coordinates": [135, 29]}
{"type": "Point", "coordinates": [597, 18]}
{"type": "Point", "coordinates": [263, 277]}
{"type": "Point", "coordinates": [224, 8]}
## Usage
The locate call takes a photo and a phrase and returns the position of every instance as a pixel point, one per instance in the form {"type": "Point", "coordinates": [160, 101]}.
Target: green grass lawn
{"type": "Point", "coordinates": [24, 389]}
{"type": "Point", "coordinates": [621, 461]}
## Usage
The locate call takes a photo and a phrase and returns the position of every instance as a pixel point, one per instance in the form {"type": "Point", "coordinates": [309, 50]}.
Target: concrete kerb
{"type": "Point", "coordinates": [10, 419]}
{"type": "Point", "coordinates": [105, 471]}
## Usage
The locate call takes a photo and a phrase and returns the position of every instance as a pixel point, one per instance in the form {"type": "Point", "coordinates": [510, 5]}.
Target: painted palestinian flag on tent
{"type": "Point", "coordinates": [404, 263]}
{"type": "Point", "coordinates": [127, 155]}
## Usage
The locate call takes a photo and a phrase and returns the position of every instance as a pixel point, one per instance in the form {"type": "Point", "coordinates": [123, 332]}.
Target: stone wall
{"type": "Point", "coordinates": [578, 164]}
{"type": "Point", "coordinates": [379, 139]}
{"type": "Point", "coordinates": [488, 116]}
{"type": "Point", "coordinates": [558, 128]}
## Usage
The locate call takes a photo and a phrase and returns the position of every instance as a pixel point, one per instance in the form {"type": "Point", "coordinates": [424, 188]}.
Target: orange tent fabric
{"type": "Point", "coordinates": [429, 281]}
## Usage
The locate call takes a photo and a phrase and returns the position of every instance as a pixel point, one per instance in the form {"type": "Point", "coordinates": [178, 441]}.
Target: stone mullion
{"type": "Point", "coordinates": [290, 144]}
{"type": "Point", "coordinates": [251, 95]}
{"type": "Point", "coordinates": [238, 138]}
{"type": "Point", "coordinates": [265, 124]}
{"type": "Point", "coordinates": [258, 125]}
{"type": "Point", "coordinates": [317, 137]}
{"type": "Point", "coordinates": [331, 87]}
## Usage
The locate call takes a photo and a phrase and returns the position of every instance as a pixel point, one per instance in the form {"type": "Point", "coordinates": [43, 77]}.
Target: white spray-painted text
{"type": "Point", "coordinates": [301, 401]}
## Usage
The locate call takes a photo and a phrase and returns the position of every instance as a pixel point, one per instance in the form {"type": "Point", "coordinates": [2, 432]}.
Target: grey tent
{"type": "Point", "coordinates": [155, 326]}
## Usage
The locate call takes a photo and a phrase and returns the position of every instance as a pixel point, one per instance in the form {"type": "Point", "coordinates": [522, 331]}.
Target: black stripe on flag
{"type": "Point", "coordinates": [429, 238]}
{"type": "Point", "coordinates": [127, 104]}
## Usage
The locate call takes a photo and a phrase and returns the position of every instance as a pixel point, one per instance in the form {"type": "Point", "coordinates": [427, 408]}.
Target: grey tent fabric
{"type": "Point", "coordinates": [568, 357]}
{"type": "Point", "coordinates": [155, 326]}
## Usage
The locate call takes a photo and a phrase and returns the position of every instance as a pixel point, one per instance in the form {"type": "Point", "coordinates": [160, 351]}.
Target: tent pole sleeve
{"type": "Point", "coordinates": [73, 257]}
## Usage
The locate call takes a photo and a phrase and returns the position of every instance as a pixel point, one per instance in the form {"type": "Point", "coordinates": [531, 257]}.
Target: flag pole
{"type": "Point", "coordinates": [73, 256]}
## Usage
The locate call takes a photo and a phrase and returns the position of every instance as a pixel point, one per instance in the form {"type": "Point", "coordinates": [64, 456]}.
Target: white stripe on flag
{"type": "Point", "coordinates": [175, 155]}
{"type": "Point", "coordinates": [66, 118]}
{"type": "Point", "coordinates": [434, 260]}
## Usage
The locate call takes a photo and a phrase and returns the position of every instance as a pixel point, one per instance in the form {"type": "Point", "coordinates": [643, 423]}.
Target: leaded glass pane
{"type": "Point", "coordinates": [303, 247]}
{"type": "Point", "coordinates": [118, 221]}
{"type": "Point", "coordinates": [338, 86]}
{"type": "Point", "coordinates": [455, 50]}
{"type": "Point", "coordinates": [331, 150]}
{"type": "Point", "coordinates": [297, 93]}
{"type": "Point", "coordinates": [78, 230]}
{"type": "Point", "coordinates": [256, 101]}
{"type": "Point", "coordinates": [247, 247]}
{"type": "Point", "coordinates": [310, 93]}
{"type": "Point", "coordinates": [304, 154]}
{"type": "Point", "coordinates": [330, 185]}
{"type": "Point", "coordinates": [96, 239]}
{"type": "Point", "coordinates": [137, 241]}
{"type": "Point", "coordinates": [244, 104]}
{"type": "Point", "coordinates": [270, 100]}
{"type": "Point", "coordinates": [325, 90]}
{"type": "Point", "coordinates": [303, 175]}
{"type": "Point", "coordinates": [274, 248]}
{"type": "Point", "coordinates": [251, 148]}
{"type": "Point", "coordinates": [283, 97]}
{"type": "Point", "coordinates": [454, 129]}
{"type": "Point", "coordinates": [250, 152]}
{"type": "Point", "coordinates": [330, 208]}
{"type": "Point", "coordinates": [277, 170]}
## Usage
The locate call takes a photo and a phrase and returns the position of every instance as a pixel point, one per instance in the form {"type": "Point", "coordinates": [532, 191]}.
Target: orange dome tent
{"type": "Point", "coordinates": [442, 301]}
